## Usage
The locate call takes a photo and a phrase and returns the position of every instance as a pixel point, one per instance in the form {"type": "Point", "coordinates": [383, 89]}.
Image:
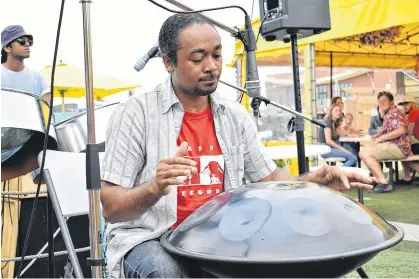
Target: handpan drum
{"type": "Point", "coordinates": [72, 132]}
{"type": "Point", "coordinates": [281, 229]}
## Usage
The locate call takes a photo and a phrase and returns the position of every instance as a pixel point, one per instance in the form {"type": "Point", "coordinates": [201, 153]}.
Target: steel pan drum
{"type": "Point", "coordinates": [287, 229]}
{"type": "Point", "coordinates": [23, 124]}
{"type": "Point", "coordinates": [72, 132]}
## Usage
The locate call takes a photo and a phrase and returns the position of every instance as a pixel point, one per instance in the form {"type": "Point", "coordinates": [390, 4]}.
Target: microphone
{"type": "Point", "coordinates": [153, 52]}
{"type": "Point", "coordinates": [252, 76]}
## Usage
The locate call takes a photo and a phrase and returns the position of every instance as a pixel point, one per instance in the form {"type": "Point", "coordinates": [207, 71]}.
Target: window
{"type": "Point", "coordinates": [321, 96]}
{"type": "Point", "coordinates": [341, 92]}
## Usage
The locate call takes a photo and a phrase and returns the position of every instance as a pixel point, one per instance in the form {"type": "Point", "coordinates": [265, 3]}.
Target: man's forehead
{"type": "Point", "coordinates": [198, 36]}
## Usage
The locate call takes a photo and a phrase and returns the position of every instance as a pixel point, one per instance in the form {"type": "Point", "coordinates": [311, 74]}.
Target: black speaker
{"type": "Point", "coordinates": [302, 17]}
{"type": "Point", "coordinates": [79, 231]}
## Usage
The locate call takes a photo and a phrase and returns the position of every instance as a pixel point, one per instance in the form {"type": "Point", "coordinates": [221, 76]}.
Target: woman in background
{"type": "Point", "coordinates": [329, 135]}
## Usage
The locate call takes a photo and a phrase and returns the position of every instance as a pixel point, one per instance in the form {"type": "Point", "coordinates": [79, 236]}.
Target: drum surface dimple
{"type": "Point", "coordinates": [244, 218]}
{"type": "Point", "coordinates": [305, 216]}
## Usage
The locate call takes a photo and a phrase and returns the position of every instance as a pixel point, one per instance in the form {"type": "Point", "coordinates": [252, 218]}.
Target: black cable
{"type": "Point", "coordinates": [44, 151]}
{"type": "Point", "coordinates": [197, 11]}
{"type": "Point", "coordinates": [260, 27]}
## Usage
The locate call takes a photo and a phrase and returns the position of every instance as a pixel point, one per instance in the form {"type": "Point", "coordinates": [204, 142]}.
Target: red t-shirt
{"type": "Point", "coordinates": [198, 130]}
{"type": "Point", "coordinates": [413, 115]}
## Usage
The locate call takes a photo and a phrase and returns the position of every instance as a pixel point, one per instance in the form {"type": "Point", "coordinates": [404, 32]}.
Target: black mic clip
{"type": "Point", "coordinates": [255, 104]}
{"type": "Point", "coordinates": [248, 36]}
{"type": "Point", "coordinates": [295, 124]}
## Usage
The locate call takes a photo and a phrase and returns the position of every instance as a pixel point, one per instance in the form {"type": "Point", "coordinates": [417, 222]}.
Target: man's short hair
{"type": "Point", "coordinates": [385, 93]}
{"type": "Point", "coordinates": [169, 33]}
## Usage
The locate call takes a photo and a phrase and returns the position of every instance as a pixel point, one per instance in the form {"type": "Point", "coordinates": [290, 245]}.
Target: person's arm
{"type": "Point", "coordinates": [342, 132]}
{"type": "Point", "coordinates": [392, 135]}
{"type": "Point", "coordinates": [410, 128]}
{"type": "Point", "coordinates": [412, 119]}
{"type": "Point", "coordinates": [123, 204]}
{"type": "Point", "coordinates": [331, 142]}
{"type": "Point", "coordinates": [331, 176]}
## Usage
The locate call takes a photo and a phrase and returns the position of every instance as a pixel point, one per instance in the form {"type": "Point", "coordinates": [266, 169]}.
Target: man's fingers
{"type": "Point", "coordinates": [194, 170]}
{"type": "Point", "coordinates": [175, 173]}
{"type": "Point", "coordinates": [183, 148]}
{"type": "Point", "coordinates": [171, 181]}
{"type": "Point", "coordinates": [356, 177]}
{"type": "Point", "coordinates": [361, 185]}
{"type": "Point", "coordinates": [178, 161]}
{"type": "Point", "coordinates": [343, 178]}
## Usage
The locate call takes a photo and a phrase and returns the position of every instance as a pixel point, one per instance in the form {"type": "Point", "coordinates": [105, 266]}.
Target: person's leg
{"type": "Point", "coordinates": [406, 173]}
{"type": "Point", "coordinates": [351, 147]}
{"type": "Point", "coordinates": [373, 164]}
{"type": "Point", "coordinates": [150, 260]}
{"type": "Point", "coordinates": [334, 152]}
{"type": "Point", "coordinates": [371, 157]}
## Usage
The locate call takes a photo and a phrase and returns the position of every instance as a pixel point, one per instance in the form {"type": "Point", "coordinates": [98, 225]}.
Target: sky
{"type": "Point", "coordinates": [121, 32]}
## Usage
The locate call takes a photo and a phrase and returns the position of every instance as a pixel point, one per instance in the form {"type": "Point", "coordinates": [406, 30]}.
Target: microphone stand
{"type": "Point", "coordinates": [93, 182]}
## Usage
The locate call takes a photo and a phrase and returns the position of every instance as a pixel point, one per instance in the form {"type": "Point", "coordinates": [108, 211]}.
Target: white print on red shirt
{"type": "Point", "coordinates": [211, 171]}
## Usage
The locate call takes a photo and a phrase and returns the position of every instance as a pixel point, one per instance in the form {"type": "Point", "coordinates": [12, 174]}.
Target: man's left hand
{"type": "Point", "coordinates": [340, 180]}
{"type": "Point", "coordinates": [378, 139]}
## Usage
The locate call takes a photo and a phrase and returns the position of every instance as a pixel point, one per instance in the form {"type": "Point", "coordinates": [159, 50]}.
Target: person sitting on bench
{"type": "Point", "coordinates": [392, 142]}
{"type": "Point", "coordinates": [409, 105]}
{"type": "Point", "coordinates": [329, 136]}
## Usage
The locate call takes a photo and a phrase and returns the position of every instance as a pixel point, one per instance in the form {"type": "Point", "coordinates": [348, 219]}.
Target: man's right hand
{"type": "Point", "coordinates": [170, 169]}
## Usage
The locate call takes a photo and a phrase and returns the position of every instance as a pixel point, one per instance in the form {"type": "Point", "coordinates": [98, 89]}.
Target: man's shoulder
{"type": "Point", "coordinates": [232, 106]}
{"type": "Point", "coordinates": [145, 99]}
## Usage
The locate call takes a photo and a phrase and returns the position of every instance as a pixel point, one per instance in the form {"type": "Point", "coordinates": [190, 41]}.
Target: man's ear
{"type": "Point", "coordinates": [168, 63]}
{"type": "Point", "coordinates": [7, 49]}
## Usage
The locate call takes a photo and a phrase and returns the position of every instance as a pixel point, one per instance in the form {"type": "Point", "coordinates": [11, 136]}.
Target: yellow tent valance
{"type": "Point", "coordinates": [349, 18]}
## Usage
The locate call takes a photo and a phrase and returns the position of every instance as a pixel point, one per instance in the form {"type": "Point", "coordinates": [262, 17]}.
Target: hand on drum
{"type": "Point", "coordinates": [340, 180]}
{"type": "Point", "coordinates": [170, 169]}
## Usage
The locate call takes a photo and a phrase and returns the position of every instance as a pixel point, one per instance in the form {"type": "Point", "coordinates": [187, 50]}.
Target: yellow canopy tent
{"type": "Point", "coordinates": [69, 82]}
{"type": "Point", "coordinates": [364, 33]}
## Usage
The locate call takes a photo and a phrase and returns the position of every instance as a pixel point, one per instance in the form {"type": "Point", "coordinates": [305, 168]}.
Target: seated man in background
{"type": "Point", "coordinates": [346, 130]}
{"type": "Point", "coordinates": [409, 105]}
{"type": "Point", "coordinates": [391, 142]}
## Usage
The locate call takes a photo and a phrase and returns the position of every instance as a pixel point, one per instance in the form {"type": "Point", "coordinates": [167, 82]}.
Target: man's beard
{"type": "Point", "coordinates": [199, 92]}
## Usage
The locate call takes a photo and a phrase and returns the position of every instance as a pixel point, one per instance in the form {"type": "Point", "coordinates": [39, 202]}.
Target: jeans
{"type": "Point", "coordinates": [150, 260]}
{"type": "Point", "coordinates": [351, 159]}
{"type": "Point", "coordinates": [351, 147]}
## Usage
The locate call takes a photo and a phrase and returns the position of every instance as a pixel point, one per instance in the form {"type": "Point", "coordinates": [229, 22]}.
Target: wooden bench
{"type": "Point", "coordinates": [390, 166]}
{"type": "Point", "coordinates": [333, 160]}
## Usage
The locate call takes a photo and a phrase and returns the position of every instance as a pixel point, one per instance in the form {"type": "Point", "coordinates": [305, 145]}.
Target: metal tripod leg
{"type": "Point", "coordinates": [362, 273]}
{"type": "Point", "coordinates": [63, 225]}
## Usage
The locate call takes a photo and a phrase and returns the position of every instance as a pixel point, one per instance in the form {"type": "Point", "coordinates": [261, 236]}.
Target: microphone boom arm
{"type": "Point", "coordinates": [267, 102]}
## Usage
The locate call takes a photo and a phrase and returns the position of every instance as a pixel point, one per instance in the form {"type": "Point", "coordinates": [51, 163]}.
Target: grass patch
{"type": "Point", "coordinates": [402, 205]}
{"type": "Point", "coordinates": [400, 261]}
